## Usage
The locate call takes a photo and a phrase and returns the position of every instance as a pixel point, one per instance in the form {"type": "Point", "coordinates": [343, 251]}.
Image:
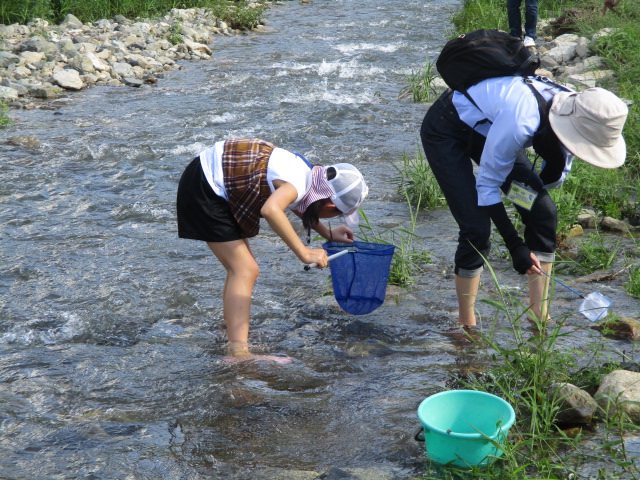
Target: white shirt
{"type": "Point", "coordinates": [511, 107]}
{"type": "Point", "coordinates": [283, 165]}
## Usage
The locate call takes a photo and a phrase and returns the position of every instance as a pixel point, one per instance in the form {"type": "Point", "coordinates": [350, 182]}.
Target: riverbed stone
{"type": "Point", "coordinates": [614, 225]}
{"type": "Point", "coordinates": [622, 328]}
{"type": "Point", "coordinates": [68, 79]}
{"type": "Point", "coordinates": [8, 58]}
{"type": "Point", "coordinates": [590, 79]}
{"type": "Point", "coordinates": [619, 392]}
{"type": "Point", "coordinates": [71, 21]}
{"type": "Point", "coordinates": [29, 142]}
{"type": "Point", "coordinates": [575, 406]}
{"type": "Point", "coordinates": [31, 57]}
{"type": "Point", "coordinates": [8, 94]}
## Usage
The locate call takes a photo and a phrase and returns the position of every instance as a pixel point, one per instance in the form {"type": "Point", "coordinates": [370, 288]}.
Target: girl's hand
{"type": "Point", "coordinates": [317, 256]}
{"type": "Point", "coordinates": [342, 233]}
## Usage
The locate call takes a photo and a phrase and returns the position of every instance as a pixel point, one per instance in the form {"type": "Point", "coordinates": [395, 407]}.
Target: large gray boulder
{"type": "Point", "coordinates": [619, 393]}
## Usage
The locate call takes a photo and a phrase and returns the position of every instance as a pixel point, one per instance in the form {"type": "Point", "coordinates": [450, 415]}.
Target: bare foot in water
{"type": "Point", "coordinates": [258, 358]}
{"type": "Point", "coordinates": [239, 352]}
{"type": "Point", "coordinates": [465, 334]}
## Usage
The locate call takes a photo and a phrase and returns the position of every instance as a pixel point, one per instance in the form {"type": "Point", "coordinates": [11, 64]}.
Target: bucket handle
{"type": "Point", "coordinates": [419, 435]}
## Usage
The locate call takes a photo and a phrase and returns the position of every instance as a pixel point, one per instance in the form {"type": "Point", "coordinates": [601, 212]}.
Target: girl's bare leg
{"type": "Point", "coordinates": [242, 274]}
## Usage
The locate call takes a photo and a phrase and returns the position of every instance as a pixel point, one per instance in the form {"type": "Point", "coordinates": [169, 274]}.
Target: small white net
{"type": "Point", "coordinates": [594, 306]}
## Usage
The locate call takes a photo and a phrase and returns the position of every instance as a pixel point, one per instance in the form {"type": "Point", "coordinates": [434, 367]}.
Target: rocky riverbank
{"type": "Point", "coordinates": [39, 61]}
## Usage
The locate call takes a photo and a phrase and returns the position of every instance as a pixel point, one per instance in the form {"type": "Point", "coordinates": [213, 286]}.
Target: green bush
{"type": "Point", "coordinates": [235, 12]}
{"type": "Point", "coordinates": [5, 120]}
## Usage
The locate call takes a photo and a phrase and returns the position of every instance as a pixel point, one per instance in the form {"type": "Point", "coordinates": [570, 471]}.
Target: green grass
{"type": "Point", "coordinates": [417, 183]}
{"type": "Point", "coordinates": [408, 261]}
{"type": "Point", "coordinates": [234, 12]}
{"type": "Point", "coordinates": [5, 120]}
{"type": "Point", "coordinates": [421, 87]}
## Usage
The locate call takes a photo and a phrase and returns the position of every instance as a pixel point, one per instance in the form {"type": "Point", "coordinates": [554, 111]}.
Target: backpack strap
{"type": "Point", "coordinates": [542, 103]}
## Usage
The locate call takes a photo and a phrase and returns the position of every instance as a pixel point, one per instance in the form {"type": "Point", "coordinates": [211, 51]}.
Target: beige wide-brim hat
{"type": "Point", "coordinates": [590, 125]}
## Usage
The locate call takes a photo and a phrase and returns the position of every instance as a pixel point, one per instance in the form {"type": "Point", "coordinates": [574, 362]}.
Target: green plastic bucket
{"type": "Point", "coordinates": [456, 424]}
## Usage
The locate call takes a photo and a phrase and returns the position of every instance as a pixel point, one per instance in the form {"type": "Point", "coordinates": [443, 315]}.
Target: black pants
{"type": "Point", "coordinates": [451, 147]}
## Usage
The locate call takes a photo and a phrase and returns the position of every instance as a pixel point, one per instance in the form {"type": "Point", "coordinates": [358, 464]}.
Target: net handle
{"type": "Point", "coordinates": [565, 286]}
{"type": "Point", "coordinates": [329, 258]}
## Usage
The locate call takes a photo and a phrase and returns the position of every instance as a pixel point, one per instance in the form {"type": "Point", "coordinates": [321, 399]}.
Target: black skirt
{"type": "Point", "coordinates": [203, 215]}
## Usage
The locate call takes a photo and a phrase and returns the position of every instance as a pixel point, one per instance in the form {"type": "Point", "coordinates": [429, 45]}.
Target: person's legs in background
{"type": "Point", "coordinates": [514, 18]}
{"type": "Point", "coordinates": [530, 18]}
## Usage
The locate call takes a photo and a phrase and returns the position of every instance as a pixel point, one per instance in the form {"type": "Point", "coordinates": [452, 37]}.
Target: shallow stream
{"type": "Point", "coordinates": [111, 346]}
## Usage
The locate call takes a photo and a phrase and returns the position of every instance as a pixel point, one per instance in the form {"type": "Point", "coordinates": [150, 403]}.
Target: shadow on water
{"type": "Point", "coordinates": [111, 348]}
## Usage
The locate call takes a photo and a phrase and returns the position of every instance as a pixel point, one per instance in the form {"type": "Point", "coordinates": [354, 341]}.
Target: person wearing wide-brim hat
{"type": "Point", "coordinates": [225, 191]}
{"type": "Point", "coordinates": [491, 127]}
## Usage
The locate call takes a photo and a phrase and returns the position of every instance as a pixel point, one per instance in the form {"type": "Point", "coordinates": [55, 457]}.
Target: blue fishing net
{"type": "Point", "coordinates": [360, 277]}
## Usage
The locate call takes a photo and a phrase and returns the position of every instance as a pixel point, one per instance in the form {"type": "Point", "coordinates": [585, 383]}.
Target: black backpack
{"type": "Point", "coordinates": [481, 54]}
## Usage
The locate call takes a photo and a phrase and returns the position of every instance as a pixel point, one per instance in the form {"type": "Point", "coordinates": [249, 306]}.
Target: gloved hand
{"type": "Point", "coordinates": [521, 258]}
{"type": "Point", "coordinates": [520, 253]}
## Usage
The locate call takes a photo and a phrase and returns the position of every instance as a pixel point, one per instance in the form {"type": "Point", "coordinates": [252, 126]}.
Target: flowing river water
{"type": "Point", "coordinates": [111, 345]}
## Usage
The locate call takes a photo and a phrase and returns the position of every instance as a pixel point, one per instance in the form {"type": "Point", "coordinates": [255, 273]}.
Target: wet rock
{"type": "Point", "coordinates": [575, 405]}
{"type": "Point", "coordinates": [624, 328]}
{"type": "Point", "coordinates": [335, 473]}
{"type": "Point", "coordinates": [44, 91]}
{"type": "Point", "coordinates": [619, 392]}
{"type": "Point", "coordinates": [133, 82]}
{"type": "Point", "coordinates": [29, 142]}
{"type": "Point", "coordinates": [575, 231]}
{"type": "Point", "coordinates": [587, 218]}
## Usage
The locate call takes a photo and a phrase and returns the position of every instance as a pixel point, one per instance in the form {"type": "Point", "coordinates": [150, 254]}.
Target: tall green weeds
{"type": "Point", "coordinates": [407, 261]}
{"type": "Point", "coordinates": [417, 183]}
{"type": "Point", "coordinates": [5, 120]}
{"type": "Point", "coordinates": [235, 12]}
{"type": "Point", "coordinates": [421, 87]}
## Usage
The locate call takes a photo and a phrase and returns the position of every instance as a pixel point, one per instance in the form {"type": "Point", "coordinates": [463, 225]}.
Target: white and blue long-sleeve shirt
{"type": "Point", "coordinates": [511, 107]}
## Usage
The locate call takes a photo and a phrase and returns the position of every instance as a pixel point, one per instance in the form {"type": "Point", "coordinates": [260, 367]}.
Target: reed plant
{"type": "Point", "coordinates": [408, 261]}
{"type": "Point", "coordinates": [417, 183]}
{"type": "Point", "coordinates": [633, 283]}
{"type": "Point", "coordinates": [595, 252]}
{"type": "Point", "coordinates": [421, 86]}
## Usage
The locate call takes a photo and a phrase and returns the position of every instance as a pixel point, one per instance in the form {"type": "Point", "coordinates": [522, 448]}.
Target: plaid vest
{"type": "Point", "coordinates": [244, 165]}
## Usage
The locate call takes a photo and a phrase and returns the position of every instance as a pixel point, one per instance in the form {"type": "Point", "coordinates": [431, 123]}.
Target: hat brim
{"type": "Point", "coordinates": [603, 157]}
{"type": "Point", "coordinates": [352, 219]}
